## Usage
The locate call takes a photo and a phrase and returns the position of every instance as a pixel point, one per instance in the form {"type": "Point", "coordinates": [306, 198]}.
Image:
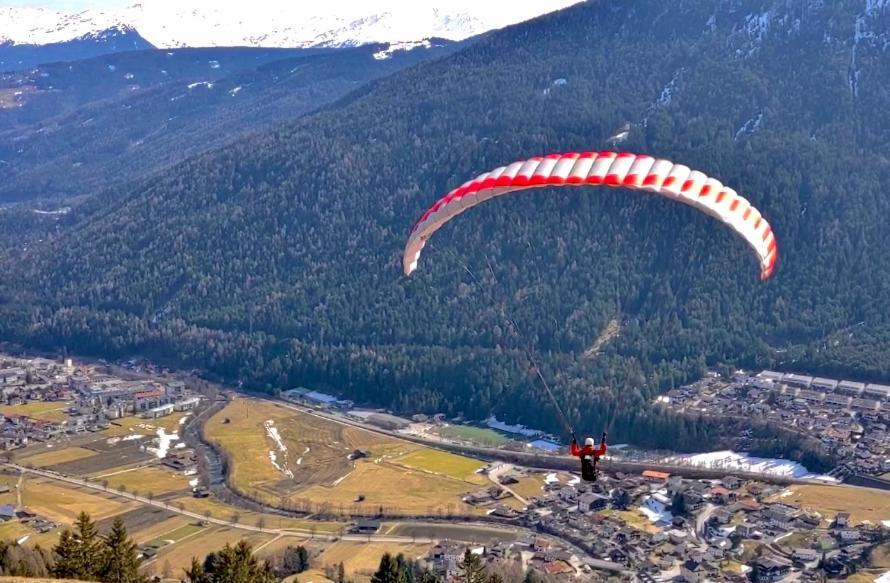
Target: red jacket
{"type": "Point", "coordinates": [589, 450]}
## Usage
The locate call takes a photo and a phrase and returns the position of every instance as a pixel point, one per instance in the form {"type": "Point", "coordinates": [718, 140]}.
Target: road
{"type": "Point", "coordinates": [701, 521]}
{"type": "Point", "coordinates": [499, 470]}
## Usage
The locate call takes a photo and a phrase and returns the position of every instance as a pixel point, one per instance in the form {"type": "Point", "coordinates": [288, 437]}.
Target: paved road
{"type": "Point", "coordinates": [701, 521]}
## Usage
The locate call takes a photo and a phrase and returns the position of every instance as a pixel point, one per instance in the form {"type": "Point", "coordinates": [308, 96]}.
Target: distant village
{"type": "Point", "coordinates": [849, 418]}
{"type": "Point", "coordinates": [649, 527]}
{"type": "Point", "coordinates": [658, 527]}
{"type": "Point", "coordinates": [92, 397]}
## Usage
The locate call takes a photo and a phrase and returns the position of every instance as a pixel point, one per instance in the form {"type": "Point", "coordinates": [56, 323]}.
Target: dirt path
{"type": "Point", "coordinates": [18, 490]}
{"type": "Point", "coordinates": [611, 331]}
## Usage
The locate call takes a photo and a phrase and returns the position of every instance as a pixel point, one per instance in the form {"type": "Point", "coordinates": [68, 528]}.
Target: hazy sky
{"type": "Point", "coordinates": [67, 4]}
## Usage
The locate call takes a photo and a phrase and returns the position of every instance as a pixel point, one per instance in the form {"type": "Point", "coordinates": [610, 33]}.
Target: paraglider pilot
{"type": "Point", "coordinates": [589, 455]}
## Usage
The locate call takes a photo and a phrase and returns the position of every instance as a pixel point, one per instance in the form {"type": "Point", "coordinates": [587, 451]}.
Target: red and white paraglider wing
{"type": "Point", "coordinates": [624, 170]}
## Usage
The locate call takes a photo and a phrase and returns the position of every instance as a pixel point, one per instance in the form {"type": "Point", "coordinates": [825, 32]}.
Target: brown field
{"type": "Point", "coordinates": [429, 481]}
{"type": "Point", "coordinates": [362, 558]}
{"type": "Point", "coordinates": [316, 454]}
{"type": "Point", "coordinates": [397, 489]}
{"type": "Point", "coordinates": [58, 456]}
{"type": "Point", "coordinates": [108, 458]}
{"type": "Point", "coordinates": [459, 532]}
{"type": "Point", "coordinates": [310, 576]}
{"type": "Point", "coordinates": [529, 486]}
{"type": "Point", "coordinates": [147, 532]}
{"type": "Point", "coordinates": [139, 519]}
{"type": "Point", "coordinates": [861, 503]}
{"type": "Point", "coordinates": [880, 556]}
{"type": "Point", "coordinates": [43, 410]}
{"type": "Point", "coordinates": [180, 554]}
{"type": "Point", "coordinates": [224, 511]}
{"type": "Point", "coordinates": [13, 530]}
{"type": "Point", "coordinates": [446, 464]}
{"type": "Point", "coordinates": [62, 503]}
{"type": "Point", "coordinates": [152, 479]}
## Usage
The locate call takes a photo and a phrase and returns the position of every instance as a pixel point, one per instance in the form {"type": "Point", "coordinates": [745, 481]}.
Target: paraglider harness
{"type": "Point", "coordinates": [589, 458]}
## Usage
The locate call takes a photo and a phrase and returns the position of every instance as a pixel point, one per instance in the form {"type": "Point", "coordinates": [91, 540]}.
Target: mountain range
{"type": "Point", "coordinates": [266, 23]}
{"type": "Point", "coordinates": [274, 260]}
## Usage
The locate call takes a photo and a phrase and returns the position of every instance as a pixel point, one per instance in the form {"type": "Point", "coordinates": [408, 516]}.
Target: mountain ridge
{"type": "Point", "coordinates": [270, 24]}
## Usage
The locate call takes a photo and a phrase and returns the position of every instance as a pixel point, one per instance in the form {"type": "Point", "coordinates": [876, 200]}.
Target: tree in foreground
{"type": "Point", "coordinates": [79, 552]}
{"type": "Point", "coordinates": [230, 565]}
{"type": "Point", "coordinates": [120, 558]}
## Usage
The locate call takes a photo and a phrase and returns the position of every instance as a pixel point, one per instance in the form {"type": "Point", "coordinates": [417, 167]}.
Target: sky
{"type": "Point", "coordinates": [66, 5]}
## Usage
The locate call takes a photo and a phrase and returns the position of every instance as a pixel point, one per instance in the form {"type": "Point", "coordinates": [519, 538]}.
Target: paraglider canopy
{"type": "Point", "coordinates": [624, 170]}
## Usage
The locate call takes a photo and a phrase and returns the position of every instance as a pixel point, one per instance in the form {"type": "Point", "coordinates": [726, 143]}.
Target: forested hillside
{"type": "Point", "coordinates": [276, 260]}
{"type": "Point", "coordinates": [78, 128]}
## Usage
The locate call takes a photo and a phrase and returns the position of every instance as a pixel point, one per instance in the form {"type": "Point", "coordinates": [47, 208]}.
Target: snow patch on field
{"type": "Point", "coordinates": [273, 434]}
{"type": "Point", "coordinates": [164, 440]}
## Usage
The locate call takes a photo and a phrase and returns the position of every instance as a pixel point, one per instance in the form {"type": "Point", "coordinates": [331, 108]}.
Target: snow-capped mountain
{"type": "Point", "coordinates": [267, 23]}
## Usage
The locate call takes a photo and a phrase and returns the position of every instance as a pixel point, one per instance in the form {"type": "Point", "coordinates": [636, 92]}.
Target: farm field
{"type": "Point", "coordinates": [444, 463]}
{"type": "Point", "coordinates": [313, 467]}
{"type": "Point", "coordinates": [221, 510]}
{"type": "Point", "coordinates": [42, 410]}
{"type": "Point", "coordinates": [144, 480]}
{"type": "Point", "coordinates": [480, 435]}
{"type": "Point", "coordinates": [529, 486]}
{"type": "Point", "coordinates": [362, 558]}
{"type": "Point", "coordinates": [463, 532]}
{"type": "Point", "coordinates": [58, 456]}
{"type": "Point", "coordinates": [179, 554]}
{"type": "Point", "coordinates": [396, 489]}
{"type": "Point", "coordinates": [861, 503]}
{"type": "Point", "coordinates": [62, 503]}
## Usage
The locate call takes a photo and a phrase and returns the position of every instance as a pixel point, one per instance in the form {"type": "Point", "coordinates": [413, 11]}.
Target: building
{"type": "Point", "coordinates": [781, 514]}
{"type": "Point", "coordinates": [591, 501]}
{"type": "Point", "coordinates": [799, 381]}
{"type": "Point", "coordinates": [161, 411]}
{"type": "Point", "coordinates": [805, 555]}
{"type": "Point", "coordinates": [824, 385]}
{"type": "Point", "coordinates": [771, 569]}
{"type": "Point", "coordinates": [850, 388]}
{"type": "Point", "coordinates": [655, 476]}
{"type": "Point", "coordinates": [878, 392]}
{"type": "Point", "coordinates": [841, 520]}
{"type": "Point", "coordinates": [366, 526]}
{"type": "Point", "coordinates": [693, 571]}
{"type": "Point", "coordinates": [187, 404]}
{"type": "Point", "coordinates": [7, 512]}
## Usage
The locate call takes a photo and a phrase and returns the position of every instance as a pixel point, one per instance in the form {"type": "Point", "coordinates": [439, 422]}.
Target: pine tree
{"type": "Point", "coordinates": [88, 555]}
{"type": "Point", "coordinates": [391, 570]}
{"type": "Point", "coordinates": [120, 561]}
{"type": "Point", "coordinates": [195, 573]}
{"type": "Point", "coordinates": [67, 556]}
{"type": "Point", "coordinates": [471, 568]}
